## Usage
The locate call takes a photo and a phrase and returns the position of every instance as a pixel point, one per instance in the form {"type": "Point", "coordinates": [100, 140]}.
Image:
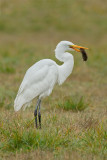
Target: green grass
{"type": "Point", "coordinates": [74, 116]}
{"type": "Point", "coordinates": [73, 104]}
{"type": "Point", "coordinates": [17, 138]}
{"type": "Point", "coordinates": [90, 138]}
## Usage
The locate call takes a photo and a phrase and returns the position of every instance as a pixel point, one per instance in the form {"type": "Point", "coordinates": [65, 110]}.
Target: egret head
{"type": "Point", "coordinates": [64, 46]}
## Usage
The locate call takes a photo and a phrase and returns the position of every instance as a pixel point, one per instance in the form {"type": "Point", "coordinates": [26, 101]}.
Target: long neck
{"type": "Point", "coordinates": [66, 68]}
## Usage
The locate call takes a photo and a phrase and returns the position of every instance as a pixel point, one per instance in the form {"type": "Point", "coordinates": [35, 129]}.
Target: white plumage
{"type": "Point", "coordinates": [40, 78]}
{"type": "Point", "coordinates": [39, 81]}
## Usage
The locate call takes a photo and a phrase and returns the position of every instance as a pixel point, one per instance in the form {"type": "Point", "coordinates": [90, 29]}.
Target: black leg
{"type": "Point", "coordinates": [35, 112]}
{"type": "Point", "coordinates": [35, 115]}
{"type": "Point", "coordinates": [39, 117]}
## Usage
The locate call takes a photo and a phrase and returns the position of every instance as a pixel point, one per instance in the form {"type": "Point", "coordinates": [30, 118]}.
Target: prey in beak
{"type": "Point", "coordinates": [84, 55]}
{"type": "Point", "coordinates": [80, 49]}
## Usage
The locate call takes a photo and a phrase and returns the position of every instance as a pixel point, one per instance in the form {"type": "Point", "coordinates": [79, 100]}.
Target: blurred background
{"type": "Point", "coordinates": [30, 31]}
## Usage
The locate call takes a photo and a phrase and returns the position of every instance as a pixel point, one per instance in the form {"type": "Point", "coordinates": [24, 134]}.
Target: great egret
{"type": "Point", "coordinates": [40, 78]}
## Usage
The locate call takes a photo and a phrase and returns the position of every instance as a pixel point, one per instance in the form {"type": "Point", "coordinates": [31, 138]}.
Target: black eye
{"type": "Point", "coordinates": [84, 54]}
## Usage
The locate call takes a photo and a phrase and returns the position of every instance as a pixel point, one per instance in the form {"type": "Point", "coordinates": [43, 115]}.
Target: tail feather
{"type": "Point", "coordinates": [18, 103]}
{"type": "Point", "coordinates": [28, 104]}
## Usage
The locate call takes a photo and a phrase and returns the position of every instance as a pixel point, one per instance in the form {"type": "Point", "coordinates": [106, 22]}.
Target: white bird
{"type": "Point", "coordinates": [40, 78]}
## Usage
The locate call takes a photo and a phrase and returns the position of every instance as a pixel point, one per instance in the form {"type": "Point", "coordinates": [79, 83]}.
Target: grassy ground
{"type": "Point", "coordinates": [29, 31]}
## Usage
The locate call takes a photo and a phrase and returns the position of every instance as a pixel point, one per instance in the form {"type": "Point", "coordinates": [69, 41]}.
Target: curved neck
{"type": "Point", "coordinates": [59, 54]}
{"type": "Point", "coordinates": [65, 69]}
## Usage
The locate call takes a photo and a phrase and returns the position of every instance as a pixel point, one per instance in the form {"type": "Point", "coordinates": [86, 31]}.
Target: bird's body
{"type": "Point", "coordinates": [38, 81]}
{"type": "Point", "coordinates": [40, 78]}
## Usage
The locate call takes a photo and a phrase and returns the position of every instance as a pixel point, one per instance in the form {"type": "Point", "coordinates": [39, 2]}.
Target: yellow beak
{"type": "Point", "coordinates": [75, 47]}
